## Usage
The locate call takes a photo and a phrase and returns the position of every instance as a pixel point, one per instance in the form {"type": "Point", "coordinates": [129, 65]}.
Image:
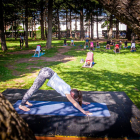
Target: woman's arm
{"type": "Point", "coordinates": [85, 103]}
{"type": "Point", "coordinates": [77, 105]}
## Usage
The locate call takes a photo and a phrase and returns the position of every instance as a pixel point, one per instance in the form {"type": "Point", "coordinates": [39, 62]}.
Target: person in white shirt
{"type": "Point", "coordinates": [133, 44]}
{"type": "Point", "coordinates": [72, 42]}
{"type": "Point", "coordinates": [73, 95]}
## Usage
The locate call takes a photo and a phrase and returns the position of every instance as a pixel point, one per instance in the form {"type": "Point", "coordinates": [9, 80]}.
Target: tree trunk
{"type": "Point", "coordinates": [45, 29]}
{"type": "Point", "coordinates": [66, 24]}
{"type": "Point", "coordinates": [12, 29]}
{"type": "Point", "coordinates": [32, 28]}
{"type": "Point", "coordinates": [58, 24]}
{"type": "Point", "coordinates": [42, 21]}
{"type": "Point", "coordinates": [75, 25]}
{"type": "Point", "coordinates": [26, 26]}
{"type": "Point", "coordinates": [128, 33]}
{"type": "Point", "coordinates": [70, 25]}
{"type": "Point", "coordinates": [110, 27]}
{"type": "Point", "coordinates": [45, 15]}
{"type": "Point", "coordinates": [81, 25]}
{"type": "Point", "coordinates": [2, 35]}
{"type": "Point", "coordinates": [91, 26]}
{"type": "Point", "coordinates": [117, 29]}
{"type": "Point", "coordinates": [12, 126]}
{"type": "Point", "coordinates": [49, 36]}
{"type": "Point", "coordinates": [5, 29]}
{"type": "Point", "coordinates": [15, 30]}
{"type": "Point", "coordinates": [97, 26]}
{"type": "Point", "coordinates": [107, 27]}
{"type": "Point", "coordinates": [128, 12]}
{"type": "Point", "coordinates": [23, 21]}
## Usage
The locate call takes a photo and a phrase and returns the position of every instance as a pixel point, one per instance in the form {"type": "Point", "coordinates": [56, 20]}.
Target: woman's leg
{"type": "Point", "coordinates": [45, 73]}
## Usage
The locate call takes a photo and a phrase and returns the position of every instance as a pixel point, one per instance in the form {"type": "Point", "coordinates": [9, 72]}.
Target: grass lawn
{"type": "Point", "coordinates": [112, 72]}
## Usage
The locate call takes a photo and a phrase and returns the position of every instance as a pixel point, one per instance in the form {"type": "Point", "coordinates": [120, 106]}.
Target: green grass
{"type": "Point", "coordinates": [112, 72]}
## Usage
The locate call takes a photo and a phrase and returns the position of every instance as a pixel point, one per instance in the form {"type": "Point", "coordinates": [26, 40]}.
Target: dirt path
{"type": "Point", "coordinates": [58, 57]}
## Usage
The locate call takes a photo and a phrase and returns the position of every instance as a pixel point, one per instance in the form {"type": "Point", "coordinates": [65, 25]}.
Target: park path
{"type": "Point", "coordinates": [57, 57]}
{"type": "Point", "coordinates": [34, 60]}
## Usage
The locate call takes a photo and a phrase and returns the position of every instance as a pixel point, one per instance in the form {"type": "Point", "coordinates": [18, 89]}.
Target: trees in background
{"type": "Point", "coordinates": [2, 35]}
{"type": "Point", "coordinates": [14, 12]}
{"type": "Point", "coordinates": [30, 12]}
{"type": "Point", "coordinates": [49, 37]}
{"type": "Point", "coordinates": [126, 12]}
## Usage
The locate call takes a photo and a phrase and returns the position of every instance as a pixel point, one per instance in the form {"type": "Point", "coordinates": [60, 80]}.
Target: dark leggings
{"type": "Point", "coordinates": [21, 43]}
{"type": "Point", "coordinates": [45, 73]}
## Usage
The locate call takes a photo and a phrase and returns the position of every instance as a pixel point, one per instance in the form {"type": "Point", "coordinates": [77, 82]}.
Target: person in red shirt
{"type": "Point", "coordinates": [116, 48]}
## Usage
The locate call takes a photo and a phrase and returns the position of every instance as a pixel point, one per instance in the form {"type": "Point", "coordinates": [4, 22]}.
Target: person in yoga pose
{"type": "Point", "coordinates": [91, 46]}
{"type": "Point", "coordinates": [87, 42]}
{"type": "Point", "coordinates": [108, 44]}
{"type": "Point", "coordinates": [73, 95]}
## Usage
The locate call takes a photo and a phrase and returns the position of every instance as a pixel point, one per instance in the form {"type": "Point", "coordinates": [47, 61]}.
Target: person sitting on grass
{"type": "Point", "coordinates": [125, 44]}
{"type": "Point", "coordinates": [65, 42]}
{"type": "Point", "coordinates": [111, 43]}
{"type": "Point", "coordinates": [91, 46]}
{"type": "Point", "coordinates": [87, 42]}
{"type": "Point", "coordinates": [108, 45]}
{"type": "Point", "coordinates": [72, 42]}
{"type": "Point", "coordinates": [133, 48]}
{"type": "Point", "coordinates": [97, 45]}
{"type": "Point", "coordinates": [73, 95]}
{"type": "Point", "coordinates": [120, 44]}
{"type": "Point", "coordinates": [116, 48]}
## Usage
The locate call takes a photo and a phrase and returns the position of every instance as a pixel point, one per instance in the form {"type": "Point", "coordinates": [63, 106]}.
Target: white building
{"type": "Point", "coordinates": [122, 27]}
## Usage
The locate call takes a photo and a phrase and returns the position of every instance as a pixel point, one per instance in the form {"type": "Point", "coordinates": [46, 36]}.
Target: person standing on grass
{"type": "Point", "coordinates": [125, 43]}
{"type": "Point", "coordinates": [133, 43]}
{"type": "Point", "coordinates": [73, 95]}
{"type": "Point", "coordinates": [65, 42]}
{"type": "Point", "coordinates": [87, 42]}
{"type": "Point", "coordinates": [21, 40]}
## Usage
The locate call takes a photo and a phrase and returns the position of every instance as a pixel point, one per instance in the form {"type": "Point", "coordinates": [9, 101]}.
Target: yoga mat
{"type": "Point", "coordinates": [63, 109]}
{"type": "Point", "coordinates": [36, 55]}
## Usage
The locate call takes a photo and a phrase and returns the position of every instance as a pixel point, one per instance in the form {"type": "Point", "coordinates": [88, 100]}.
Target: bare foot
{"type": "Point", "coordinates": [24, 108]}
{"type": "Point", "coordinates": [29, 103]}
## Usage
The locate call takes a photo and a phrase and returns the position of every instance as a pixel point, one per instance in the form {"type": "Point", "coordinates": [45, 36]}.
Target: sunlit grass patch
{"type": "Point", "coordinates": [112, 72]}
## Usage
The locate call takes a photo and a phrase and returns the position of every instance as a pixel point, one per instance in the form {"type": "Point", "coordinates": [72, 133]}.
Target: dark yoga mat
{"type": "Point", "coordinates": [63, 109]}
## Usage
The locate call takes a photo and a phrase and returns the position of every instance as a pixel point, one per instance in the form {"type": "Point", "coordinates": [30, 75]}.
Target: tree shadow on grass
{"type": "Point", "coordinates": [123, 121]}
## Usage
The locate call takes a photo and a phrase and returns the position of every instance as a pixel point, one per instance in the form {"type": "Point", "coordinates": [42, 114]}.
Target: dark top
{"type": "Point", "coordinates": [133, 40]}
{"type": "Point", "coordinates": [87, 40]}
{"type": "Point", "coordinates": [65, 41]}
{"type": "Point", "coordinates": [108, 42]}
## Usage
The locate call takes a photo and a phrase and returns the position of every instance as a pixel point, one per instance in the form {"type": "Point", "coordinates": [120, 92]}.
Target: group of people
{"type": "Point", "coordinates": [61, 87]}
{"type": "Point", "coordinates": [65, 42]}
{"type": "Point", "coordinates": [91, 45]}
{"type": "Point", "coordinates": [118, 45]}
